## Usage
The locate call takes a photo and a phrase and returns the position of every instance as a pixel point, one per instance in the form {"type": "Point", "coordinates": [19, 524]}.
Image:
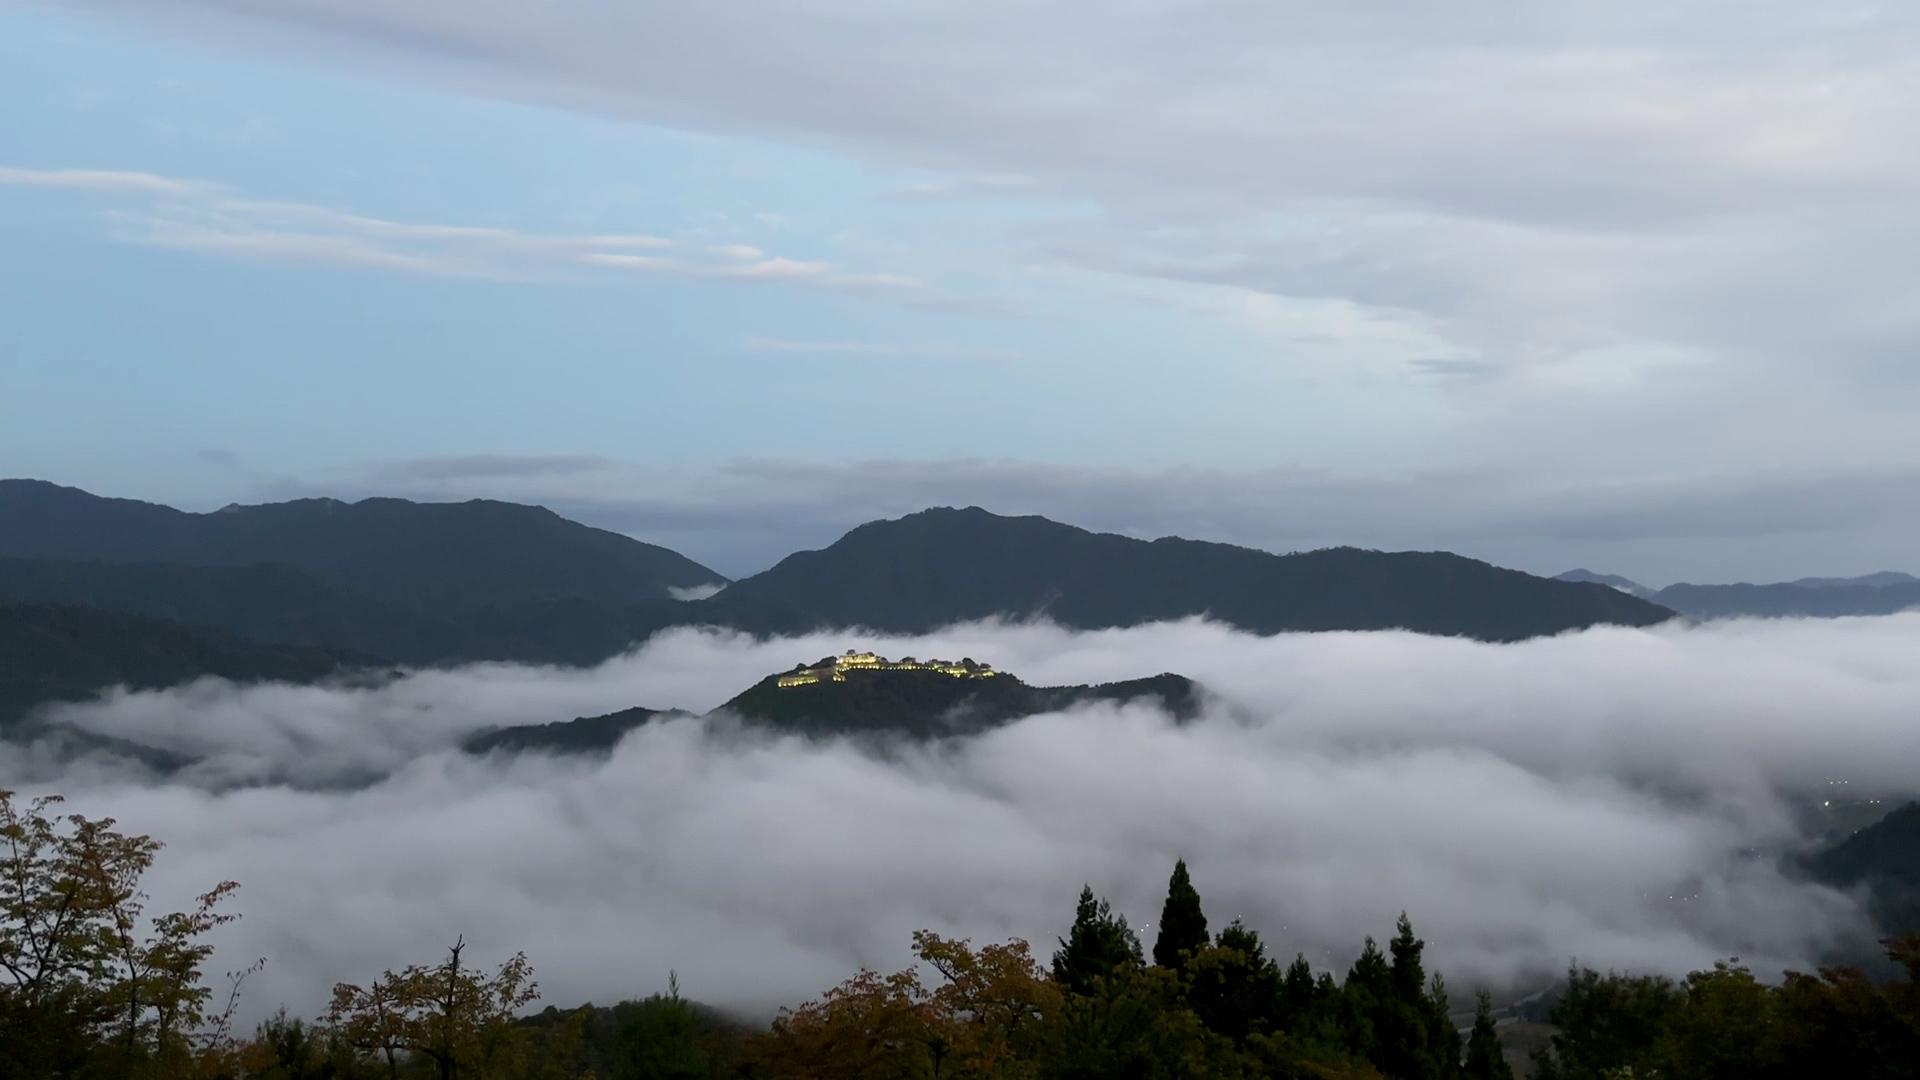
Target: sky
{"type": "Point", "coordinates": [1626, 286]}
{"type": "Point", "coordinates": [1621, 797]}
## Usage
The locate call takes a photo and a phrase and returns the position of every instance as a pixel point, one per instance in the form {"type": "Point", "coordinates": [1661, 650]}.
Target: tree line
{"type": "Point", "coordinates": [91, 986]}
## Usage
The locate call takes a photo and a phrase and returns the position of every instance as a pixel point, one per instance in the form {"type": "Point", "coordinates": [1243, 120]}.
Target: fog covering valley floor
{"type": "Point", "coordinates": [1617, 795]}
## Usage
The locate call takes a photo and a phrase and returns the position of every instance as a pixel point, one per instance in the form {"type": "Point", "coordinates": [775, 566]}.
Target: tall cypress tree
{"type": "Point", "coordinates": [1484, 1058]}
{"type": "Point", "coordinates": [1409, 975]}
{"type": "Point", "coordinates": [1299, 993]}
{"type": "Point", "coordinates": [1416, 1040]}
{"type": "Point", "coordinates": [1099, 943]}
{"type": "Point", "coordinates": [1183, 926]}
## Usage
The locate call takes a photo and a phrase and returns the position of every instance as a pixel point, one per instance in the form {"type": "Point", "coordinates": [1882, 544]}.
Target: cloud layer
{"type": "Point", "coordinates": [1616, 795]}
{"type": "Point", "coordinates": [1571, 192]}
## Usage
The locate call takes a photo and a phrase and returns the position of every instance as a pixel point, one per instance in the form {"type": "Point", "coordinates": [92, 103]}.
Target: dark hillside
{"type": "Point", "coordinates": [278, 603]}
{"type": "Point", "coordinates": [60, 653]}
{"type": "Point", "coordinates": [1885, 857]}
{"type": "Point", "coordinates": [266, 602]}
{"type": "Point", "coordinates": [583, 735]}
{"type": "Point", "coordinates": [941, 566]}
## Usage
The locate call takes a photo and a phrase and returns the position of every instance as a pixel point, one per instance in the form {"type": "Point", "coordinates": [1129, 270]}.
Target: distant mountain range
{"type": "Point", "coordinates": [394, 581]}
{"type": "Point", "coordinates": [861, 695]}
{"type": "Point", "coordinates": [1880, 593]}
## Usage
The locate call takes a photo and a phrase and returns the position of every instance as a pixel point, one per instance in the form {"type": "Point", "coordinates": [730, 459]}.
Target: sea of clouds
{"type": "Point", "coordinates": [1620, 796]}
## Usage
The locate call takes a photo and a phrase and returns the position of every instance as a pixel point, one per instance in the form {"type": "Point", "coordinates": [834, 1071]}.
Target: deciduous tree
{"type": "Point", "coordinates": [452, 1015]}
{"type": "Point", "coordinates": [87, 981]}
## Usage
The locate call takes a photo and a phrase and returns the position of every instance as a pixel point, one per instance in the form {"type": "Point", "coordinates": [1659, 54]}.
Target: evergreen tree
{"type": "Point", "coordinates": [1391, 1015]}
{"type": "Point", "coordinates": [1299, 993]}
{"type": "Point", "coordinates": [1484, 1058]}
{"type": "Point", "coordinates": [1409, 976]}
{"type": "Point", "coordinates": [1235, 987]}
{"type": "Point", "coordinates": [1183, 926]}
{"type": "Point", "coordinates": [1099, 943]}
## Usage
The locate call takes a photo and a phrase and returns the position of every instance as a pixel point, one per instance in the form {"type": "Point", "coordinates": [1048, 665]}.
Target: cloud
{"type": "Point", "coordinates": [1723, 180]}
{"type": "Point", "coordinates": [100, 180]}
{"type": "Point", "coordinates": [926, 350]}
{"type": "Point", "coordinates": [192, 215]}
{"type": "Point", "coordinates": [1616, 795]}
{"type": "Point", "coordinates": [471, 467]}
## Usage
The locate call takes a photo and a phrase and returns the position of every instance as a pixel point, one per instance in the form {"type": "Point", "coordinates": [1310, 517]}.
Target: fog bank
{"type": "Point", "coordinates": [1615, 795]}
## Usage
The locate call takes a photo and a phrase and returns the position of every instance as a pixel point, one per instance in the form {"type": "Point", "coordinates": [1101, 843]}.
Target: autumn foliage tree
{"type": "Point", "coordinates": [983, 1020]}
{"type": "Point", "coordinates": [457, 1017]}
{"type": "Point", "coordinates": [89, 985]}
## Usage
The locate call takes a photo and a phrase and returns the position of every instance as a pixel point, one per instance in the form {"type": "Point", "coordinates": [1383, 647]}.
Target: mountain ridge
{"type": "Point", "coordinates": [945, 565]}
{"type": "Point", "coordinates": [445, 583]}
{"type": "Point", "coordinates": [444, 559]}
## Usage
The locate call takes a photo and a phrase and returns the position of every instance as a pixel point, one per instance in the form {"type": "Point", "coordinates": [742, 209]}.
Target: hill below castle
{"type": "Point", "coordinates": [863, 694]}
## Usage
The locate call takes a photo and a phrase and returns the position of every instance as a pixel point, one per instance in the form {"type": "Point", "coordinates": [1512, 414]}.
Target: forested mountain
{"type": "Point", "coordinates": [444, 559]}
{"type": "Point", "coordinates": [1881, 593]}
{"type": "Point", "coordinates": [944, 565]}
{"type": "Point", "coordinates": [51, 652]}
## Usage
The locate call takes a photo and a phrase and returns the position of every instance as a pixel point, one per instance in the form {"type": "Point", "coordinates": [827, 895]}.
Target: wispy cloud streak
{"type": "Point", "coordinates": [192, 215]}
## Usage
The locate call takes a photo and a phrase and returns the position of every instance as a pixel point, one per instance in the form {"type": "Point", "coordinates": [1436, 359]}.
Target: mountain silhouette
{"type": "Point", "coordinates": [431, 583]}
{"type": "Point", "coordinates": [941, 566]}
{"type": "Point", "coordinates": [439, 559]}
{"type": "Point", "coordinates": [1881, 593]}
{"type": "Point", "coordinates": [1788, 599]}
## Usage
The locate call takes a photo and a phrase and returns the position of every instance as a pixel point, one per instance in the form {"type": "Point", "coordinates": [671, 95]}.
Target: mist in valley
{"type": "Point", "coordinates": [1619, 796]}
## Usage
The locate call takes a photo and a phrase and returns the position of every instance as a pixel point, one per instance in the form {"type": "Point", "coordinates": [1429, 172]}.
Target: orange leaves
{"type": "Point", "coordinates": [980, 1021]}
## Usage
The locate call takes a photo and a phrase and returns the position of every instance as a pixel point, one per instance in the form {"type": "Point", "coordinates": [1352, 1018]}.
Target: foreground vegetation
{"type": "Point", "coordinates": [91, 987]}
